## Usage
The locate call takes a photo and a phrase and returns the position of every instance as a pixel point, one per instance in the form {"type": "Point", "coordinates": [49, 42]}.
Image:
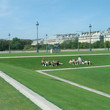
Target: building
{"type": "Point", "coordinates": [83, 37]}
{"type": "Point", "coordinates": [66, 36]}
{"type": "Point", "coordinates": [40, 41]}
{"type": "Point", "coordinates": [95, 36]}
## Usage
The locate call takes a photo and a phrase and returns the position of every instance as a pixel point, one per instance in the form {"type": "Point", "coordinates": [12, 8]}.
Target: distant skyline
{"type": "Point", "coordinates": [19, 17]}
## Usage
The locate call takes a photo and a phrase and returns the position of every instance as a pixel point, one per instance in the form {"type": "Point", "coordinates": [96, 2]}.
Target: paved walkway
{"type": "Point", "coordinates": [56, 55]}
{"type": "Point", "coordinates": [34, 97]}
{"type": "Point", "coordinates": [75, 68]}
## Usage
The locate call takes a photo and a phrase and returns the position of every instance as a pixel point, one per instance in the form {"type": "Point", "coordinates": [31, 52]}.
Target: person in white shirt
{"type": "Point", "coordinates": [79, 60]}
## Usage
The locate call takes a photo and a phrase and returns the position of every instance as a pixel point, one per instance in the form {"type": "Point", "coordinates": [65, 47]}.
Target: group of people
{"type": "Point", "coordinates": [50, 63]}
{"type": "Point", "coordinates": [56, 62]}
{"type": "Point", "coordinates": [79, 61]}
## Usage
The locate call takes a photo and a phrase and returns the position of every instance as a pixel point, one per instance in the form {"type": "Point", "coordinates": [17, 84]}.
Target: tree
{"type": "Point", "coordinates": [96, 44]}
{"type": "Point", "coordinates": [84, 45]}
{"type": "Point", "coordinates": [16, 44]}
{"type": "Point", "coordinates": [101, 44]}
{"type": "Point", "coordinates": [107, 43]}
{"type": "Point", "coordinates": [69, 44]}
{"type": "Point", "coordinates": [25, 42]}
{"type": "Point", "coordinates": [4, 44]}
{"type": "Point", "coordinates": [66, 44]}
{"type": "Point", "coordinates": [74, 43]}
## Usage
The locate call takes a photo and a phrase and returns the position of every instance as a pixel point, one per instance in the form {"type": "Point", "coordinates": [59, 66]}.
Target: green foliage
{"type": "Point", "coordinates": [42, 47]}
{"type": "Point", "coordinates": [19, 44]}
{"type": "Point", "coordinates": [73, 44]}
{"type": "Point", "coordinates": [29, 47]}
{"type": "Point", "coordinates": [25, 44]}
{"type": "Point", "coordinates": [16, 44]}
{"type": "Point", "coordinates": [66, 44]}
{"type": "Point", "coordinates": [107, 43]}
{"type": "Point", "coordinates": [98, 44]}
{"type": "Point", "coordinates": [4, 44]}
{"type": "Point", "coordinates": [84, 45]}
{"type": "Point", "coordinates": [69, 44]}
{"type": "Point", "coordinates": [101, 45]}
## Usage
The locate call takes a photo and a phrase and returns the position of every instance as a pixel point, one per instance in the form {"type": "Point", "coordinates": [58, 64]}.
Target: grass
{"type": "Point", "coordinates": [65, 96]}
{"type": "Point", "coordinates": [35, 63]}
{"type": "Point", "coordinates": [95, 78]}
{"type": "Point", "coordinates": [11, 99]}
{"type": "Point", "coordinates": [44, 53]}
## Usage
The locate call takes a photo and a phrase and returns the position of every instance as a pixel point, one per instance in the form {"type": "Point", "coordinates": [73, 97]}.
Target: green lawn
{"type": "Point", "coordinates": [65, 96]}
{"type": "Point", "coordinates": [35, 63]}
{"type": "Point", "coordinates": [11, 99]}
{"type": "Point", "coordinates": [44, 53]}
{"type": "Point", "coordinates": [96, 78]}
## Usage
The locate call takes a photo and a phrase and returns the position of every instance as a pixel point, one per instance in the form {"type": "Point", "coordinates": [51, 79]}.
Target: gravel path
{"type": "Point", "coordinates": [56, 55]}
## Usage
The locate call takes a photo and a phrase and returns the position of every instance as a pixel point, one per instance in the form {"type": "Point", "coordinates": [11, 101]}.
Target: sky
{"type": "Point", "coordinates": [19, 17]}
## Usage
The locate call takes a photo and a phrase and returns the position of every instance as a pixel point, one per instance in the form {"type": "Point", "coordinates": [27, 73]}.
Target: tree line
{"type": "Point", "coordinates": [25, 44]}
{"type": "Point", "coordinates": [15, 44]}
{"type": "Point", "coordinates": [69, 44]}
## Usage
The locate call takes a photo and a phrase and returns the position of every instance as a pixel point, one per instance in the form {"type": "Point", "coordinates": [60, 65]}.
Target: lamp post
{"type": "Point", "coordinates": [90, 47]}
{"type": "Point", "coordinates": [78, 42]}
{"type": "Point", "coordinates": [105, 42]}
{"type": "Point", "coordinates": [9, 42]}
{"type": "Point", "coordinates": [37, 46]}
{"type": "Point", "coordinates": [46, 44]}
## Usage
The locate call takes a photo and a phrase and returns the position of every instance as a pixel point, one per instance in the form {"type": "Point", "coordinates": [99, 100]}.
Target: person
{"type": "Point", "coordinates": [70, 61]}
{"type": "Point", "coordinates": [46, 63]}
{"type": "Point", "coordinates": [57, 63]}
{"type": "Point", "coordinates": [79, 60]}
{"type": "Point", "coordinates": [87, 62]}
{"type": "Point", "coordinates": [51, 63]}
{"type": "Point", "coordinates": [74, 61]}
{"type": "Point", "coordinates": [83, 62]}
{"type": "Point", "coordinates": [43, 62]}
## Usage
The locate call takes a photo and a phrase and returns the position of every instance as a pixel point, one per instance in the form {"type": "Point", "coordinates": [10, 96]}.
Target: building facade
{"type": "Point", "coordinates": [95, 36]}
{"type": "Point", "coordinates": [83, 37]}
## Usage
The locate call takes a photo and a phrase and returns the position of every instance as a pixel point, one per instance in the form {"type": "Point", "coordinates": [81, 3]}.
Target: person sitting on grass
{"type": "Point", "coordinates": [79, 61]}
{"type": "Point", "coordinates": [74, 62]}
{"type": "Point", "coordinates": [57, 63]}
{"type": "Point", "coordinates": [70, 61]}
{"type": "Point", "coordinates": [87, 62]}
{"type": "Point", "coordinates": [48, 63]}
{"type": "Point", "coordinates": [43, 62]}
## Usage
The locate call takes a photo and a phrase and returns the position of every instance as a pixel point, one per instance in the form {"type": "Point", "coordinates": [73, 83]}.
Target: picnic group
{"type": "Point", "coordinates": [50, 63]}
{"type": "Point", "coordinates": [56, 62]}
{"type": "Point", "coordinates": [79, 61]}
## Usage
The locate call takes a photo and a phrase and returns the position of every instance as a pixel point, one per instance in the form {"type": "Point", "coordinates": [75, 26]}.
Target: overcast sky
{"type": "Point", "coordinates": [18, 17]}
